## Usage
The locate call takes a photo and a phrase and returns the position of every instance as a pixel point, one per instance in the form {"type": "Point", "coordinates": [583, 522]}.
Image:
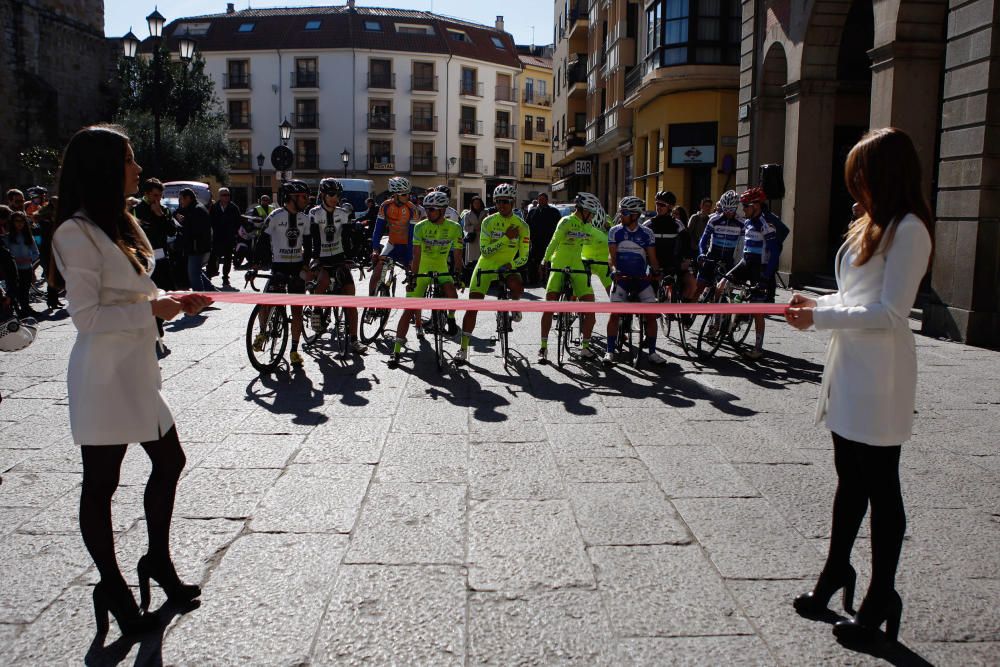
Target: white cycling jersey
{"type": "Point", "coordinates": [287, 235]}
{"type": "Point", "coordinates": [329, 226]}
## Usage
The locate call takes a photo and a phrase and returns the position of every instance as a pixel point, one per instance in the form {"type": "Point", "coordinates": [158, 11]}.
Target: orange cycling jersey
{"type": "Point", "coordinates": [398, 218]}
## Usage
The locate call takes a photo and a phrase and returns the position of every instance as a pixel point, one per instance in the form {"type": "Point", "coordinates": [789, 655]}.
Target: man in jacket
{"type": "Point", "coordinates": [196, 226]}
{"type": "Point", "coordinates": [542, 221]}
{"type": "Point", "coordinates": [226, 218]}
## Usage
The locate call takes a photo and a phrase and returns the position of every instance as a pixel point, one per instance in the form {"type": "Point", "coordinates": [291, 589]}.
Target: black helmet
{"type": "Point", "coordinates": [445, 189]}
{"type": "Point", "coordinates": [294, 187]}
{"type": "Point", "coordinates": [331, 186]}
{"type": "Point", "coordinates": [667, 197]}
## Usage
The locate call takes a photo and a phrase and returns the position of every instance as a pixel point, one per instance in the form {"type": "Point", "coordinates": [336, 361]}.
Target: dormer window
{"type": "Point", "coordinates": [373, 26]}
{"type": "Point", "coordinates": [458, 35]}
{"type": "Point", "coordinates": [313, 25]}
{"type": "Point", "coordinates": [246, 27]}
{"type": "Point", "coordinates": [497, 42]}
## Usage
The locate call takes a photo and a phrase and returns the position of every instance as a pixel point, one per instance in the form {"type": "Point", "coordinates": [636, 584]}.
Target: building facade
{"type": "Point", "coordinates": [394, 92]}
{"type": "Point", "coordinates": [815, 76]}
{"type": "Point", "coordinates": [571, 160]}
{"type": "Point", "coordinates": [535, 141]}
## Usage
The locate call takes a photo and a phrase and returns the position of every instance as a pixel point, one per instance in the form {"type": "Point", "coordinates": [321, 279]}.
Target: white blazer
{"type": "Point", "coordinates": [114, 378]}
{"type": "Point", "coordinates": [870, 378]}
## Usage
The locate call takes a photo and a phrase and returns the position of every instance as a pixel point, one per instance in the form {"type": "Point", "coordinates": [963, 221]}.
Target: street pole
{"type": "Point", "coordinates": [157, 76]}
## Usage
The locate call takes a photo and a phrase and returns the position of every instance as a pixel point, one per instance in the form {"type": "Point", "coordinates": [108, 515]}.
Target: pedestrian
{"type": "Point", "coordinates": [869, 384]}
{"type": "Point", "coordinates": [8, 267]}
{"type": "Point", "coordinates": [680, 214]}
{"type": "Point", "coordinates": [104, 260]}
{"type": "Point", "coordinates": [196, 228]}
{"type": "Point", "coordinates": [21, 245]}
{"type": "Point", "coordinates": [158, 226]}
{"type": "Point", "coordinates": [15, 199]}
{"type": "Point", "coordinates": [226, 217]}
{"type": "Point", "coordinates": [697, 222]}
{"type": "Point", "coordinates": [472, 223]}
{"type": "Point", "coordinates": [542, 221]}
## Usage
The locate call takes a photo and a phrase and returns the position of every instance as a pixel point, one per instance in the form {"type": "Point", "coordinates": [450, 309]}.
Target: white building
{"type": "Point", "coordinates": [397, 91]}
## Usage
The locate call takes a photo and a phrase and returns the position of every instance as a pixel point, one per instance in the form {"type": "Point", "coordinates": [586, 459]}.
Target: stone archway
{"type": "Point", "coordinates": [771, 111]}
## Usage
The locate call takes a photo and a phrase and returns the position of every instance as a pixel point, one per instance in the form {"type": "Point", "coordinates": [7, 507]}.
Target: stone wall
{"type": "Point", "coordinates": [54, 71]}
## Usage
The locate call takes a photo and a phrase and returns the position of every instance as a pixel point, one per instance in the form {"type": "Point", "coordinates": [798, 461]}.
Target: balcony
{"type": "Point", "coordinates": [633, 78]}
{"type": "Point", "coordinates": [236, 81]}
{"type": "Point", "coordinates": [382, 121]}
{"type": "Point", "coordinates": [470, 166]}
{"type": "Point", "coordinates": [423, 123]}
{"type": "Point", "coordinates": [537, 99]}
{"type": "Point", "coordinates": [426, 164]}
{"type": "Point", "coordinates": [382, 162]}
{"type": "Point", "coordinates": [239, 121]}
{"type": "Point", "coordinates": [470, 128]}
{"type": "Point", "coordinates": [576, 74]}
{"type": "Point", "coordinates": [241, 163]}
{"type": "Point", "coordinates": [530, 172]}
{"type": "Point", "coordinates": [307, 161]}
{"type": "Point", "coordinates": [471, 88]}
{"type": "Point", "coordinates": [423, 84]}
{"type": "Point", "coordinates": [506, 94]}
{"type": "Point", "coordinates": [505, 131]}
{"type": "Point", "coordinates": [541, 136]}
{"type": "Point", "coordinates": [578, 20]}
{"type": "Point", "coordinates": [381, 81]}
{"type": "Point", "coordinates": [505, 169]}
{"type": "Point", "coordinates": [307, 121]}
{"type": "Point", "coordinates": [305, 79]}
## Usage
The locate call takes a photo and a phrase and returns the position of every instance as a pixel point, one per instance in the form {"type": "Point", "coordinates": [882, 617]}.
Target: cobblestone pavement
{"type": "Point", "coordinates": [357, 514]}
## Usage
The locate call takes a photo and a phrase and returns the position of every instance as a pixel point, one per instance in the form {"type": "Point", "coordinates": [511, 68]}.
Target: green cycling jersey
{"type": "Point", "coordinates": [571, 236]}
{"type": "Point", "coordinates": [496, 249]}
{"type": "Point", "coordinates": [597, 249]}
{"type": "Point", "coordinates": [436, 240]}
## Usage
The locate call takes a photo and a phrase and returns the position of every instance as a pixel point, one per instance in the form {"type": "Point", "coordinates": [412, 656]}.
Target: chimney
{"type": "Point", "coordinates": [230, 8]}
{"type": "Point", "coordinates": [350, 5]}
{"type": "Point", "coordinates": [500, 23]}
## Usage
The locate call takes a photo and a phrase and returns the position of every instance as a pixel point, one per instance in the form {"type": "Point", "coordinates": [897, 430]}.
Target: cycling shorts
{"type": "Point", "coordinates": [602, 271]}
{"type": "Point", "coordinates": [285, 278]}
{"type": "Point", "coordinates": [633, 290]}
{"type": "Point", "coordinates": [749, 273]}
{"type": "Point", "coordinates": [580, 282]}
{"type": "Point", "coordinates": [334, 266]}
{"type": "Point", "coordinates": [423, 283]}
{"type": "Point", "coordinates": [401, 254]}
{"type": "Point", "coordinates": [712, 269]}
{"type": "Point", "coordinates": [480, 284]}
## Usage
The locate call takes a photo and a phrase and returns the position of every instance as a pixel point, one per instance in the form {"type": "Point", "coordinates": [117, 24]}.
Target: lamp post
{"type": "Point", "coordinates": [345, 157]}
{"type": "Point", "coordinates": [285, 131]}
{"type": "Point", "coordinates": [260, 170]}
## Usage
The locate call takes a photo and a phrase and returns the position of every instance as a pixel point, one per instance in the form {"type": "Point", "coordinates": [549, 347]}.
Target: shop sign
{"type": "Point", "coordinates": [583, 167]}
{"type": "Point", "coordinates": [683, 155]}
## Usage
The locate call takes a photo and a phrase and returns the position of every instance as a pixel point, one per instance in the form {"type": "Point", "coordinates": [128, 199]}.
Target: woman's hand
{"type": "Point", "coordinates": [799, 301]}
{"type": "Point", "coordinates": [194, 303]}
{"type": "Point", "coordinates": [800, 311]}
{"type": "Point", "coordinates": [166, 307]}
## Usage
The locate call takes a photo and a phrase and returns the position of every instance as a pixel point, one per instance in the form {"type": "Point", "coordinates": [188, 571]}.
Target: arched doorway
{"type": "Point", "coordinates": [771, 112]}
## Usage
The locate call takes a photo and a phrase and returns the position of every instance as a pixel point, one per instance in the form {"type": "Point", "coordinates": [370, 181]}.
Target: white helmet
{"type": "Point", "coordinates": [436, 200]}
{"type": "Point", "coordinates": [15, 335]}
{"type": "Point", "coordinates": [399, 186]}
{"type": "Point", "coordinates": [729, 201]}
{"type": "Point", "coordinates": [588, 202]}
{"type": "Point", "coordinates": [631, 204]}
{"type": "Point", "coordinates": [600, 219]}
{"type": "Point", "coordinates": [505, 191]}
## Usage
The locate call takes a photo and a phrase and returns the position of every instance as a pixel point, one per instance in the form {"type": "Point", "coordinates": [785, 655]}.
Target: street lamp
{"type": "Point", "coordinates": [260, 170]}
{"type": "Point", "coordinates": [155, 22]}
{"type": "Point", "coordinates": [345, 157]}
{"type": "Point", "coordinates": [186, 47]}
{"type": "Point", "coordinates": [285, 130]}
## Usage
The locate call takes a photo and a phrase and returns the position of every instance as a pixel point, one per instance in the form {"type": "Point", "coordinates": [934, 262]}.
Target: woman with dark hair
{"type": "Point", "coordinates": [102, 256]}
{"type": "Point", "coordinates": [869, 382]}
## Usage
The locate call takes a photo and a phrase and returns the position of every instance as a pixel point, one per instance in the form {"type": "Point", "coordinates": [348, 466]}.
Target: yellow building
{"type": "Point", "coordinates": [535, 141]}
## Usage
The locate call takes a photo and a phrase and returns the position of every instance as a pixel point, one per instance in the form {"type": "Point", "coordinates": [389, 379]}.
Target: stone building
{"type": "Point", "coordinates": [54, 72]}
{"type": "Point", "coordinates": [814, 76]}
{"type": "Point", "coordinates": [535, 143]}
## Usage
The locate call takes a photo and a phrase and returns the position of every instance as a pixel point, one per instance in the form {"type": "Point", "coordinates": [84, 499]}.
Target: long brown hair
{"type": "Point", "coordinates": [882, 173]}
{"type": "Point", "coordinates": [92, 178]}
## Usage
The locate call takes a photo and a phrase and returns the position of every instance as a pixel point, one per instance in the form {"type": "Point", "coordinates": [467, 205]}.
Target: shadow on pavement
{"type": "Point", "coordinates": [293, 394]}
{"type": "Point", "coordinates": [150, 644]}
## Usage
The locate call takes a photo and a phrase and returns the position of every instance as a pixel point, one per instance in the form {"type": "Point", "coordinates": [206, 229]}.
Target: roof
{"type": "Point", "coordinates": [536, 61]}
{"type": "Point", "coordinates": [342, 28]}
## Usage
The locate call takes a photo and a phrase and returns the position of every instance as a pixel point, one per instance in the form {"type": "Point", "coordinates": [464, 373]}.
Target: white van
{"type": "Point", "coordinates": [171, 192]}
{"type": "Point", "coordinates": [356, 191]}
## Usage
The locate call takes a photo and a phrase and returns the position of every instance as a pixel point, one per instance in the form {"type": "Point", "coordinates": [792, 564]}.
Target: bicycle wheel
{"type": "Point", "coordinates": [640, 335]}
{"type": "Point", "coordinates": [310, 335]}
{"type": "Point", "coordinates": [740, 329]}
{"type": "Point", "coordinates": [665, 295]}
{"type": "Point", "coordinates": [273, 338]}
{"type": "Point", "coordinates": [340, 330]}
{"type": "Point", "coordinates": [503, 322]}
{"type": "Point", "coordinates": [373, 320]}
{"type": "Point", "coordinates": [564, 326]}
{"type": "Point", "coordinates": [714, 329]}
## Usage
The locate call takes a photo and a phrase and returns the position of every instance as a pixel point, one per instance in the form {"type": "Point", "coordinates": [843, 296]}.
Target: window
{"type": "Point", "coordinates": [681, 32]}
{"type": "Point", "coordinates": [380, 154]}
{"type": "Point", "coordinates": [540, 123]}
{"type": "Point", "coordinates": [237, 74]}
{"type": "Point", "coordinates": [467, 121]}
{"type": "Point", "coordinates": [306, 116]}
{"type": "Point", "coordinates": [313, 25]}
{"type": "Point", "coordinates": [246, 27]}
{"type": "Point", "coordinates": [423, 117]}
{"type": "Point", "coordinates": [423, 156]}
{"type": "Point", "coordinates": [305, 73]}
{"type": "Point", "coordinates": [497, 42]}
{"type": "Point", "coordinates": [423, 76]}
{"type": "Point", "coordinates": [380, 73]}
{"type": "Point", "coordinates": [458, 35]}
{"type": "Point", "coordinates": [306, 154]}
{"type": "Point", "coordinates": [373, 26]}
{"type": "Point", "coordinates": [540, 160]}
{"type": "Point", "coordinates": [239, 114]}
{"type": "Point", "coordinates": [380, 115]}
{"type": "Point", "coordinates": [242, 154]}
{"type": "Point", "coordinates": [468, 164]}
{"type": "Point", "coordinates": [470, 85]}
{"type": "Point", "coordinates": [503, 166]}
{"type": "Point", "coordinates": [414, 29]}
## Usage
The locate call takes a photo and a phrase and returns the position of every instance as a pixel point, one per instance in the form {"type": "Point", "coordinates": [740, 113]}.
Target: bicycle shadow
{"type": "Point", "coordinates": [293, 394]}
{"type": "Point", "coordinates": [773, 371]}
{"type": "Point", "coordinates": [185, 322]}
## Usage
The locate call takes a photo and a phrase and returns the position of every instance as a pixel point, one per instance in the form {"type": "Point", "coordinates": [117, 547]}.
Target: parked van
{"type": "Point", "coordinates": [171, 192]}
{"type": "Point", "coordinates": [356, 191]}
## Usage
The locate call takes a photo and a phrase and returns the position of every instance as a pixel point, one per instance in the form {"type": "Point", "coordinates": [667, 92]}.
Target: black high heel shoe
{"type": "Point", "coordinates": [163, 572]}
{"type": "Point", "coordinates": [818, 601]}
{"type": "Point", "coordinates": [864, 627]}
{"type": "Point", "coordinates": [121, 604]}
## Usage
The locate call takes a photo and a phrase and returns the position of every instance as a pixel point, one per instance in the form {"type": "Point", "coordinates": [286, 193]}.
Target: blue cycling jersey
{"type": "Point", "coordinates": [761, 244]}
{"type": "Point", "coordinates": [631, 248]}
{"type": "Point", "coordinates": [720, 238]}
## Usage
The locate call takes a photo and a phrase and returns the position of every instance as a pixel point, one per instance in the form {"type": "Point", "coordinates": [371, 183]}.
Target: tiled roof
{"type": "Point", "coordinates": [536, 61]}
{"type": "Point", "coordinates": [340, 27]}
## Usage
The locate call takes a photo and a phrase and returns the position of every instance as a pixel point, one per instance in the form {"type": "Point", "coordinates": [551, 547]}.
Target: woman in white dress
{"type": "Point", "coordinates": [105, 261]}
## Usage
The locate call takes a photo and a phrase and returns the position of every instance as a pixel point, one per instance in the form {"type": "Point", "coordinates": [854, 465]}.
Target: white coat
{"type": "Point", "coordinates": [114, 378]}
{"type": "Point", "coordinates": [870, 377]}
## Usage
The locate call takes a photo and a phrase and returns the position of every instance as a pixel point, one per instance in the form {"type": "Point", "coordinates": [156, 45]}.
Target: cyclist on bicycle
{"type": "Point", "coordinates": [328, 226]}
{"type": "Point", "coordinates": [673, 245]}
{"type": "Point", "coordinates": [286, 229]}
{"type": "Point", "coordinates": [434, 239]}
{"type": "Point", "coordinates": [564, 251]}
{"type": "Point", "coordinates": [632, 249]}
{"type": "Point", "coordinates": [595, 253]}
{"type": "Point", "coordinates": [719, 240]}
{"type": "Point", "coordinates": [504, 244]}
{"type": "Point", "coordinates": [397, 216]}
{"type": "Point", "coordinates": [761, 250]}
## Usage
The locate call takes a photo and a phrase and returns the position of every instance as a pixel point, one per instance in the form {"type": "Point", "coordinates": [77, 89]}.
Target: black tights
{"type": "Point", "coordinates": [101, 469]}
{"type": "Point", "coordinates": [867, 474]}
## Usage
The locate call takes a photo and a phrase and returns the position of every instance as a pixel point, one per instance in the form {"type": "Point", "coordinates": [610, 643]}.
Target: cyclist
{"type": "Point", "coordinates": [286, 228]}
{"type": "Point", "coordinates": [434, 239]}
{"type": "Point", "coordinates": [397, 216]}
{"type": "Point", "coordinates": [328, 226]}
{"type": "Point", "coordinates": [564, 251]}
{"type": "Point", "coordinates": [504, 243]}
{"type": "Point", "coordinates": [595, 253]}
{"type": "Point", "coordinates": [632, 249]}
{"type": "Point", "coordinates": [719, 240]}
{"type": "Point", "coordinates": [761, 250]}
{"type": "Point", "coordinates": [450, 213]}
{"type": "Point", "coordinates": [673, 245]}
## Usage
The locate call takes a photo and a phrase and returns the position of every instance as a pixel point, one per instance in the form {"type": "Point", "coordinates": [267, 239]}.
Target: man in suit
{"type": "Point", "coordinates": [226, 219]}
{"type": "Point", "coordinates": [196, 226]}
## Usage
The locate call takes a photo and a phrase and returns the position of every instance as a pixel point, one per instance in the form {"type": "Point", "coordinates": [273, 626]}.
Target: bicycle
{"type": "Point", "coordinates": [716, 329]}
{"type": "Point", "coordinates": [625, 325]}
{"type": "Point", "coordinates": [564, 321]}
{"type": "Point", "coordinates": [340, 324]}
{"type": "Point", "coordinates": [273, 329]}
{"type": "Point", "coordinates": [668, 292]}
{"type": "Point", "coordinates": [504, 318]}
{"type": "Point", "coordinates": [373, 320]}
{"type": "Point", "coordinates": [439, 318]}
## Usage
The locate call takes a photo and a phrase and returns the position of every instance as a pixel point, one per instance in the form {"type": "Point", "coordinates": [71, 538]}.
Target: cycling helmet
{"type": "Point", "coordinates": [505, 191]}
{"type": "Point", "coordinates": [16, 335]}
{"type": "Point", "coordinates": [347, 206]}
{"type": "Point", "coordinates": [436, 199]}
{"type": "Point", "coordinates": [294, 187]}
{"type": "Point", "coordinates": [35, 191]}
{"type": "Point", "coordinates": [667, 197]}
{"type": "Point", "coordinates": [399, 186]}
{"type": "Point", "coordinates": [631, 205]}
{"type": "Point", "coordinates": [729, 201]}
{"type": "Point", "coordinates": [445, 189]}
{"type": "Point", "coordinates": [331, 186]}
{"type": "Point", "coordinates": [753, 196]}
{"type": "Point", "coordinates": [588, 202]}
{"type": "Point", "coordinates": [600, 219]}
